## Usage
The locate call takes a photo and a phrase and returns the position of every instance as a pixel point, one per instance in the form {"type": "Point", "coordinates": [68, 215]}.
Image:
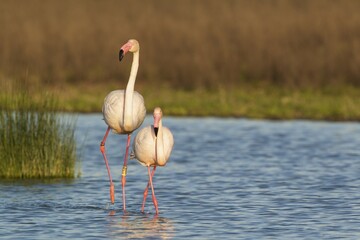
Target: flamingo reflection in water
{"type": "Point", "coordinates": [135, 226]}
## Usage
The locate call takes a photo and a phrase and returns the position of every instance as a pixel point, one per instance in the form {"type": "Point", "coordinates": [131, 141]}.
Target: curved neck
{"type": "Point", "coordinates": [160, 156]}
{"type": "Point", "coordinates": [129, 92]}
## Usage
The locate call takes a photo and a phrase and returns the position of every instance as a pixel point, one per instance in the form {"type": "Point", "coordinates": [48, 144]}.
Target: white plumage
{"type": "Point", "coordinates": [150, 150]}
{"type": "Point", "coordinates": [152, 147]}
{"type": "Point", "coordinates": [114, 115]}
{"type": "Point", "coordinates": [124, 111]}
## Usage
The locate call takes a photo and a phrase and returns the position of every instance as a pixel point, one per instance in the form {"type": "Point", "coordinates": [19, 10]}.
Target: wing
{"type": "Point", "coordinates": [168, 141]}
{"type": "Point", "coordinates": [144, 146]}
{"type": "Point", "coordinates": [113, 109]}
{"type": "Point", "coordinates": [139, 110]}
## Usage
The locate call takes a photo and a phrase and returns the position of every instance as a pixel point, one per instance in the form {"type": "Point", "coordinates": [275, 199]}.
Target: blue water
{"type": "Point", "coordinates": [227, 178]}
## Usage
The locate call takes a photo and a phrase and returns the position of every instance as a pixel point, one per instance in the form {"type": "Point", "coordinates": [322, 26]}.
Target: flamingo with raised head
{"type": "Point", "coordinates": [152, 146]}
{"type": "Point", "coordinates": [124, 111]}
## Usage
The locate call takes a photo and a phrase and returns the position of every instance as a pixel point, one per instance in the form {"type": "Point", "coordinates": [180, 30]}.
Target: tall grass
{"type": "Point", "coordinates": [185, 44]}
{"type": "Point", "coordinates": [223, 54]}
{"type": "Point", "coordinates": [34, 141]}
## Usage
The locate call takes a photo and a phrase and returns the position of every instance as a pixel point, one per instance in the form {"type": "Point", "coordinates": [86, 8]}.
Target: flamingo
{"type": "Point", "coordinates": [124, 111]}
{"type": "Point", "coordinates": [152, 146]}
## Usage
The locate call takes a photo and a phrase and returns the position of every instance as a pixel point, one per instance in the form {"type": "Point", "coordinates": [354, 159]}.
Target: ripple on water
{"type": "Point", "coordinates": [227, 178]}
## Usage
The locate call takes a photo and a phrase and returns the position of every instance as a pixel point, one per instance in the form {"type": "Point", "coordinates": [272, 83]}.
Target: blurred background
{"type": "Point", "coordinates": [192, 47]}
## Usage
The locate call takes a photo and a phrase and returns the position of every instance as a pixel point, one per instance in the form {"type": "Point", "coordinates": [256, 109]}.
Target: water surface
{"type": "Point", "coordinates": [227, 178]}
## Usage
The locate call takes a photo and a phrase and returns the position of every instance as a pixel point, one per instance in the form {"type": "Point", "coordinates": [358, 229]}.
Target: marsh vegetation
{"type": "Point", "coordinates": [35, 141]}
{"type": "Point", "coordinates": [292, 53]}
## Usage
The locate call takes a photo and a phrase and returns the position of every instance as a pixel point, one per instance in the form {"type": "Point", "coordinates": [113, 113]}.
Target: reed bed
{"type": "Point", "coordinates": [219, 50]}
{"type": "Point", "coordinates": [186, 44]}
{"type": "Point", "coordinates": [34, 141]}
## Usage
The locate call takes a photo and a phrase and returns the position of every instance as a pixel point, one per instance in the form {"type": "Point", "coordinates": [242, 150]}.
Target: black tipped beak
{"type": "Point", "coordinates": [156, 129]}
{"type": "Point", "coordinates": [121, 54]}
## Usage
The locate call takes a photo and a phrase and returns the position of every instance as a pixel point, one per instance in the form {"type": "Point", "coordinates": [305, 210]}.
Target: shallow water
{"type": "Point", "coordinates": [230, 178]}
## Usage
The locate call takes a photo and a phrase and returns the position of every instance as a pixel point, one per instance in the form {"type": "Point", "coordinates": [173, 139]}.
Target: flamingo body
{"type": "Point", "coordinates": [124, 111]}
{"type": "Point", "coordinates": [152, 146]}
{"type": "Point", "coordinates": [114, 116]}
{"type": "Point", "coordinates": [144, 146]}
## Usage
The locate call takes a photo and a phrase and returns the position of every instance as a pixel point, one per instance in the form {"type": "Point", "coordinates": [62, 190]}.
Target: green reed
{"type": "Point", "coordinates": [35, 142]}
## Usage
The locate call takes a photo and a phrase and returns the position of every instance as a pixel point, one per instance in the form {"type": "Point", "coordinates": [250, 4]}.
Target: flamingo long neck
{"type": "Point", "coordinates": [159, 145]}
{"type": "Point", "coordinates": [129, 93]}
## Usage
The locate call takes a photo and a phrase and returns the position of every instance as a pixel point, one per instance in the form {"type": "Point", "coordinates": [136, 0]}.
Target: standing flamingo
{"type": "Point", "coordinates": [124, 111]}
{"type": "Point", "coordinates": [152, 147]}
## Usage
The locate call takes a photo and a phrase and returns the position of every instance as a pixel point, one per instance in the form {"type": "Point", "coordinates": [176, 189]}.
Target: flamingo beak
{"type": "Point", "coordinates": [121, 54]}
{"type": "Point", "coordinates": [157, 119]}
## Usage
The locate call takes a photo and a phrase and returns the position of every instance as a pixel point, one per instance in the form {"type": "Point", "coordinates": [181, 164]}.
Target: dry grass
{"type": "Point", "coordinates": [184, 44]}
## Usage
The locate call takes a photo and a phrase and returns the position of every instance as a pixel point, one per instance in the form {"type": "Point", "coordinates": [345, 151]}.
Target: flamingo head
{"type": "Point", "coordinates": [131, 46]}
{"type": "Point", "coordinates": [157, 117]}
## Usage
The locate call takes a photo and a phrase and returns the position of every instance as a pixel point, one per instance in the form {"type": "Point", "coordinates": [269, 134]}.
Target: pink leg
{"type": "Point", "coordinates": [153, 192]}
{"type": "Point", "coordinates": [124, 170]}
{"type": "Point", "coordinates": [102, 149]}
{"type": "Point", "coordinates": [146, 190]}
